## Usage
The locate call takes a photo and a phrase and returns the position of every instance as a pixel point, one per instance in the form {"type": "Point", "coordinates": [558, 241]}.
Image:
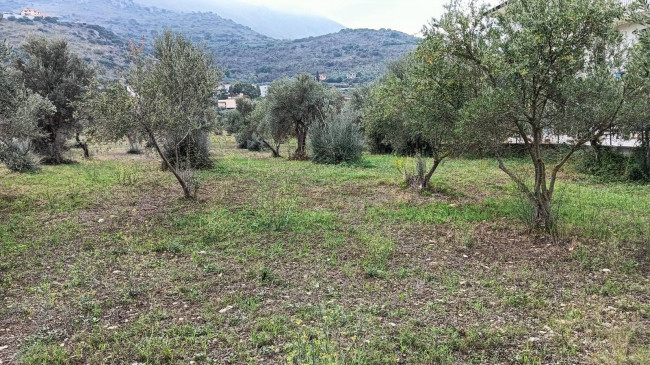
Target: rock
{"type": "Point", "coordinates": [226, 309]}
{"type": "Point", "coordinates": [533, 339]}
{"type": "Point", "coordinates": [101, 220]}
{"type": "Point", "coordinates": [392, 324]}
{"type": "Point", "coordinates": [117, 272]}
{"type": "Point", "coordinates": [2, 348]}
{"type": "Point", "coordinates": [606, 271]}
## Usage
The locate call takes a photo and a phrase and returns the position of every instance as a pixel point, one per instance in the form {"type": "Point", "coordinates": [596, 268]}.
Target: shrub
{"type": "Point", "coordinates": [611, 166]}
{"type": "Point", "coordinates": [193, 151]}
{"type": "Point", "coordinates": [242, 140]}
{"type": "Point", "coordinates": [18, 159]}
{"type": "Point", "coordinates": [338, 141]}
{"type": "Point", "coordinates": [413, 170]}
{"type": "Point", "coordinates": [253, 145]}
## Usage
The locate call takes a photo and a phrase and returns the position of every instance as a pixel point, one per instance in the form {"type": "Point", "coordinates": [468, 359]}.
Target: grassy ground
{"type": "Point", "coordinates": [290, 262]}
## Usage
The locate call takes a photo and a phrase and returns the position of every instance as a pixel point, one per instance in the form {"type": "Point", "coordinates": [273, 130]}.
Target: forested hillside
{"type": "Point", "coordinates": [97, 45]}
{"type": "Point", "coordinates": [245, 54]}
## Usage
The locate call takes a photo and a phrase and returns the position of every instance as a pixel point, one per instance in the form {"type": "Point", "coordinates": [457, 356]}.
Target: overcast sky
{"type": "Point", "coordinates": [404, 15]}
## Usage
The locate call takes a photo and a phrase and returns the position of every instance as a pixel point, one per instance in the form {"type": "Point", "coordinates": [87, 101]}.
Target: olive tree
{"type": "Point", "coordinates": [50, 69]}
{"type": "Point", "coordinates": [239, 121]}
{"type": "Point", "coordinates": [168, 98]}
{"type": "Point", "coordinates": [20, 111]}
{"type": "Point", "coordinates": [266, 129]}
{"type": "Point", "coordinates": [417, 105]}
{"type": "Point", "coordinates": [549, 68]}
{"type": "Point", "coordinates": [252, 124]}
{"type": "Point", "coordinates": [637, 110]}
{"type": "Point", "coordinates": [293, 106]}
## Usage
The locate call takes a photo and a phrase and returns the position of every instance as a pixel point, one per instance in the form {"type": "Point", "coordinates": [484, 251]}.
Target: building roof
{"type": "Point", "coordinates": [227, 104]}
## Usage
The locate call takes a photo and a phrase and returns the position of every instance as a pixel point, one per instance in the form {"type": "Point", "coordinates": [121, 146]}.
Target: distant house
{"type": "Point", "coordinates": [322, 77]}
{"type": "Point", "coordinates": [30, 13]}
{"type": "Point", "coordinates": [264, 90]}
{"type": "Point", "coordinates": [230, 103]}
{"type": "Point", "coordinates": [352, 75]}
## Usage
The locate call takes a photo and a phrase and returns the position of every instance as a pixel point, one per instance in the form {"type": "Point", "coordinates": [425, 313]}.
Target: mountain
{"type": "Point", "coordinates": [245, 54]}
{"type": "Point", "coordinates": [261, 19]}
{"type": "Point", "coordinates": [363, 52]}
{"type": "Point", "coordinates": [95, 44]}
{"type": "Point", "coordinates": [134, 21]}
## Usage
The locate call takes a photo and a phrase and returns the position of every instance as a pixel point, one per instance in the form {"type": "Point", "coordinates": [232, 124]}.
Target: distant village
{"type": "Point", "coordinates": [26, 13]}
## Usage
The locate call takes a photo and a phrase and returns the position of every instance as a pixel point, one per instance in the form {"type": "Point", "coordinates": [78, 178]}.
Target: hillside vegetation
{"type": "Point", "coordinates": [245, 54]}
{"type": "Point", "coordinates": [96, 45]}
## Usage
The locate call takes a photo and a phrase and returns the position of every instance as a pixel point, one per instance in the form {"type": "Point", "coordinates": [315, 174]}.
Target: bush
{"type": "Point", "coordinates": [338, 141]}
{"type": "Point", "coordinates": [253, 145]}
{"type": "Point", "coordinates": [242, 140]}
{"type": "Point", "coordinates": [194, 152]}
{"type": "Point", "coordinates": [612, 166]}
{"type": "Point", "coordinates": [18, 159]}
{"type": "Point", "coordinates": [246, 141]}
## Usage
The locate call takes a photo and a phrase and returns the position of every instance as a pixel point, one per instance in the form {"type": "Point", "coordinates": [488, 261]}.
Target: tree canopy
{"type": "Point", "coordinates": [20, 111]}
{"type": "Point", "coordinates": [169, 98]}
{"type": "Point", "coordinates": [50, 69]}
{"type": "Point", "coordinates": [295, 104]}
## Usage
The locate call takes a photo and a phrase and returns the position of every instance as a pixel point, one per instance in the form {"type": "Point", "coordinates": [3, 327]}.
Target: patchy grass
{"type": "Point", "coordinates": [289, 262]}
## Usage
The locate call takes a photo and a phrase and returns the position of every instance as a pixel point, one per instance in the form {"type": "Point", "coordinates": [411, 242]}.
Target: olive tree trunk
{"type": "Point", "coordinates": [301, 135]}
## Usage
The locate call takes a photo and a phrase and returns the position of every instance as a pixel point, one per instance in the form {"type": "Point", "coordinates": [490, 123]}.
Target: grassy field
{"type": "Point", "coordinates": [102, 262]}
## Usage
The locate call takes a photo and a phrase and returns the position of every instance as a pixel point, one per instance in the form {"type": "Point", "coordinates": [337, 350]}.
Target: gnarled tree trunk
{"type": "Point", "coordinates": [301, 135]}
{"type": "Point", "coordinates": [82, 145]}
{"type": "Point", "coordinates": [427, 177]}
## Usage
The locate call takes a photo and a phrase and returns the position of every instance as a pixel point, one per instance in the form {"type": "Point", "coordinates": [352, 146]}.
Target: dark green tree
{"type": "Point", "coordinates": [294, 105]}
{"type": "Point", "coordinates": [20, 111]}
{"type": "Point", "coordinates": [51, 70]}
{"type": "Point", "coordinates": [250, 90]}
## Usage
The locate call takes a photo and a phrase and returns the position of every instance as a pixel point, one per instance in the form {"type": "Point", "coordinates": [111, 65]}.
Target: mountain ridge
{"type": "Point", "coordinates": [275, 24]}
{"type": "Point", "coordinates": [247, 55]}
